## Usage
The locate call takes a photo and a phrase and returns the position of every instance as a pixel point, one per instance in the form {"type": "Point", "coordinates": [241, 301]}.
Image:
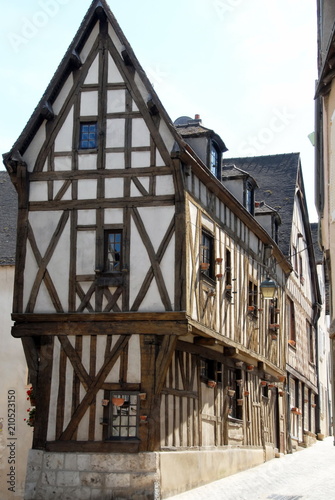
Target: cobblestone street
{"type": "Point", "coordinates": [303, 475]}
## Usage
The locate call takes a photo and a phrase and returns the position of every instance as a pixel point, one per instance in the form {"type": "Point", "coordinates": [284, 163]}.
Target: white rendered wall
{"type": "Point", "coordinates": [13, 370]}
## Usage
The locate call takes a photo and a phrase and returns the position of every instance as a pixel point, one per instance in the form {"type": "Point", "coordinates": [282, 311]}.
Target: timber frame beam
{"type": "Point", "coordinates": [31, 325]}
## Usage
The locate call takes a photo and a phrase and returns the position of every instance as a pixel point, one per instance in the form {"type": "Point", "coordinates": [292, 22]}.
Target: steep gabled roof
{"type": "Point", "coordinates": [8, 216]}
{"type": "Point", "coordinates": [277, 178]}
{"type": "Point", "coordinates": [70, 62]}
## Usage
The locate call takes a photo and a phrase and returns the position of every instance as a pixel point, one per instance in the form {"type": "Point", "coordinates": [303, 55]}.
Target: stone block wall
{"type": "Point", "coordinates": [92, 476]}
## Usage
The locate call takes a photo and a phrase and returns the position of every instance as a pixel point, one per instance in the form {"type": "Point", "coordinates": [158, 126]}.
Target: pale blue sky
{"type": "Point", "coordinates": [248, 67]}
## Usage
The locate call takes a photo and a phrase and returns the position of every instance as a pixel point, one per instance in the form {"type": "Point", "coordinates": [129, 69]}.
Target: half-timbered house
{"type": "Point", "coordinates": [280, 186]}
{"type": "Point", "coordinates": [157, 363]}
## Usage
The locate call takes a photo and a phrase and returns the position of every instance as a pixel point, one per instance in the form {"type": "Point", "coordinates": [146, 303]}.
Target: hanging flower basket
{"type": "Point", "coordinates": [31, 396]}
{"type": "Point", "coordinates": [31, 417]}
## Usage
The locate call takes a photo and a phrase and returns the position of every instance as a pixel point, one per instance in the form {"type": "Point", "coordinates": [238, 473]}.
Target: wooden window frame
{"type": "Point", "coordinates": [228, 274]}
{"type": "Point", "coordinates": [121, 417]}
{"type": "Point", "coordinates": [107, 233]}
{"type": "Point", "coordinates": [311, 342]}
{"type": "Point", "coordinates": [214, 159]}
{"type": "Point", "coordinates": [291, 320]}
{"type": "Point", "coordinates": [252, 296]}
{"type": "Point", "coordinates": [249, 197]}
{"type": "Point", "coordinates": [81, 132]}
{"type": "Point", "coordinates": [207, 254]}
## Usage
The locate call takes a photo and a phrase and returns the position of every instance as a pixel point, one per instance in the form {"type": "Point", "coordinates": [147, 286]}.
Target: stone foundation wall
{"type": "Point", "coordinates": [92, 476]}
{"type": "Point", "coordinates": [184, 470]}
{"type": "Point", "coordinates": [142, 476]}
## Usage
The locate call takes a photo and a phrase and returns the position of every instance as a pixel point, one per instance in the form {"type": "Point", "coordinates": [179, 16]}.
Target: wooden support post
{"type": "Point", "coordinates": [43, 391]}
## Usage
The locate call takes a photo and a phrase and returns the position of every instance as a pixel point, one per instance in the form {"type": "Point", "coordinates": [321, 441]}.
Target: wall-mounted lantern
{"type": "Point", "coordinates": [268, 288]}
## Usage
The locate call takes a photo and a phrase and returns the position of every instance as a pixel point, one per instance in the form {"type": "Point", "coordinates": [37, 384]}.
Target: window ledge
{"type": "Point", "coordinates": [112, 279]}
{"type": "Point", "coordinates": [87, 151]}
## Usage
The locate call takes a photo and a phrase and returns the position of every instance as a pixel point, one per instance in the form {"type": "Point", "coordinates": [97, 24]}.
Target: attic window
{"type": "Point", "coordinates": [249, 198]}
{"type": "Point", "coordinates": [88, 135]}
{"type": "Point", "coordinates": [215, 159]}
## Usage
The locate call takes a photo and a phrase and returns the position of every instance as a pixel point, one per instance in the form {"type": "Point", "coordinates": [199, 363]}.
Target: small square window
{"type": "Point", "coordinates": [123, 416]}
{"type": "Point", "coordinates": [113, 250]}
{"type": "Point", "coordinates": [88, 135]}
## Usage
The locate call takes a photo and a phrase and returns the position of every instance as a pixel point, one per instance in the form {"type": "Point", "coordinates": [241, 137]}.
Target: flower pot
{"type": "Point", "coordinates": [117, 401]}
{"type": "Point", "coordinates": [32, 402]}
{"type": "Point", "coordinates": [142, 396]}
{"type": "Point", "coordinates": [204, 266]}
{"type": "Point", "coordinates": [239, 402]}
{"type": "Point", "coordinates": [291, 342]}
{"type": "Point", "coordinates": [246, 393]}
{"type": "Point", "coordinates": [263, 383]}
{"type": "Point", "coordinates": [105, 402]}
{"type": "Point", "coordinates": [251, 308]}
{"type": "Point", "coordinates": [143, 419]}
{"type": "Point", "coordinates": [211, 384]}
{"type": "Point", "coordinates": [218, 260]}
{"type": "Point", "coordinates": [250, 368]}
{"type": "Point", "coordinates": [231, 392]}
{"type": "Point", "coordinates": [219, 276]}
{"type": "Point", "coordinates": [281, 393]}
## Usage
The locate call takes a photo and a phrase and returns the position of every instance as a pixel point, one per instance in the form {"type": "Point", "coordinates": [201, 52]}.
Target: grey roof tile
{"type": "Point", "coordinates": [277, 177]}
{"type": "Point", "coordinates": [8, 216]}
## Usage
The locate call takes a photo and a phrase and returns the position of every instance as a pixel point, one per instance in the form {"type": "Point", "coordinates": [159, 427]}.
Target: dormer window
{"type": "Point", "coordinates": [215, 160]}
{"type": "Point", "coordinates": [249, 197]}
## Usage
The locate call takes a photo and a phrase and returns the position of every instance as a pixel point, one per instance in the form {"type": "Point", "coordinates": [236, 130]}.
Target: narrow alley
{"type": "Point", "coordinates": [304, 475]}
